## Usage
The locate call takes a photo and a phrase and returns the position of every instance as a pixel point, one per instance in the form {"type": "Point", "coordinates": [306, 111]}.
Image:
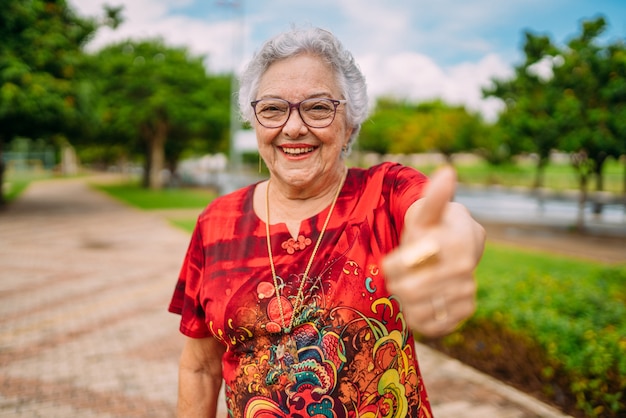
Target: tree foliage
{"type": "Point", "coordinates": [132, 98]}
{"type": "Point", "coordinates": [529, 123]}
{"type": "Point", "coordinates": [579, 107]}
{"type": "Point", "coordinates": [40, 52]}
{"type": "Point", "coordinates": [398, 127]}
{"type": "Point", "coordinates": [156, 99]}
{"type": "Point", "coordinates": [588, 77]}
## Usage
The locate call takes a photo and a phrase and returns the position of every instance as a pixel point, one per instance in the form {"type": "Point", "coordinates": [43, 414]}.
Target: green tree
{"type": "Point", "coordinates": [447, 129]}
{"type": "Point", "coordinates": [398, 127]}
{"type": "Point", "coordinates": [529, 122]}
{"type": "Point", "coordinates": [496, 143]}
{"type": "Point", "coordinates": [615, 92]}
{"type": "Point", "coordinates": [590, 101]}
{"type": "Point", "coordinates": [40, 51]}
{"type": "Point", "coordinates": [579, 108]}
{"type": "Point", "coordinates": [156, 99]}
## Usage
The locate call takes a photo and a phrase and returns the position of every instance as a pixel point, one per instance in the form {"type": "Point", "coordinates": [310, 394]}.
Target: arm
{"type": "Point", "coordinates": [199, 377]}
{"type": "Point", "coordinates": [432, 271]}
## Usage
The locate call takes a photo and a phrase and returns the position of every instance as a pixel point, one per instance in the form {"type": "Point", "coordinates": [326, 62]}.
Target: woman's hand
{"type": "Point", "coordinates": [432, 271]}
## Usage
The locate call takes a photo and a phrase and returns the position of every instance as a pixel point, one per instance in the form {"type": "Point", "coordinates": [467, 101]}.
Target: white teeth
{"type": "Point", "coordinates": [296, 151]}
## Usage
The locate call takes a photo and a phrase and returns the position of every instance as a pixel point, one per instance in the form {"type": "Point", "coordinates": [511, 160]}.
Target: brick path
{"type": "Point", "coordinates": [84, 332]}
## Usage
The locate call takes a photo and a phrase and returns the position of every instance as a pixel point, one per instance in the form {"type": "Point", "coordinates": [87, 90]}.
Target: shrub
{"type": "Point", "coordinates": [553, 326]}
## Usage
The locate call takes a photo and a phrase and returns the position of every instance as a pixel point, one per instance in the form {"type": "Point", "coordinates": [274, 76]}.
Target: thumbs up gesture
{"type": "Point", "coordinates": [432, 271]}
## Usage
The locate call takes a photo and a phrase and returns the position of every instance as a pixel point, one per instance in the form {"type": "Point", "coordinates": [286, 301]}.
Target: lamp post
{"type": "Point", "coordinates": [234, 155]}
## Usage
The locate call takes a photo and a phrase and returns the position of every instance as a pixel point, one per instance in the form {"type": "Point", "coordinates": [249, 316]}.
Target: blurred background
{"type": "Point", "coordinates": [526, 98]}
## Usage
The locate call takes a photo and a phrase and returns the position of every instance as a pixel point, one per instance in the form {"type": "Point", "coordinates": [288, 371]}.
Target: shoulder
{"type": "Point", "coordinates": [388, 176]}
{"type": "Point", "coordinates": [231, 205]}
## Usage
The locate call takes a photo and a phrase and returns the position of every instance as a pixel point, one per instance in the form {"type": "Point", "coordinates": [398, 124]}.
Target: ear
{"type": "Point", "coordinates": [344, 150]}
{"type": "Point", "coordinates": [346, 142]}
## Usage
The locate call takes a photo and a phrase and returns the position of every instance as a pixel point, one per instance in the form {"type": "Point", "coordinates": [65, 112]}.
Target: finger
{"type": "Point", "coordinates": [439, 192]}
{"type": "Point", "coordinates": [438, 315]}
{"type": "Point", "coordinates": [409, 257]}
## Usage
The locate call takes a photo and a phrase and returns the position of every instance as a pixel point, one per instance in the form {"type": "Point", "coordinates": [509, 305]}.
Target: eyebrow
{"type": "Point", "coordinates": [324, 95]}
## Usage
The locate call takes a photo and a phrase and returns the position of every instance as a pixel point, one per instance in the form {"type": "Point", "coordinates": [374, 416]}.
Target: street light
{"type": "Point", "coordinates": [234, 155]}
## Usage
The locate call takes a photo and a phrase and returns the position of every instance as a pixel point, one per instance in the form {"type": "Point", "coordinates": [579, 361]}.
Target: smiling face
{"type": "Point", "coordinates": [302, 159]}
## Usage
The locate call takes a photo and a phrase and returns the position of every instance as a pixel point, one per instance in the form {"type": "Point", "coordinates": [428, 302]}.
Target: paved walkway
{"type": "Point", "coordinates": [84, 332]}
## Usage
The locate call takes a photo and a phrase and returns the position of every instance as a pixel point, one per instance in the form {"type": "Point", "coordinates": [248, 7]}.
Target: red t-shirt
{"type": "Point", "coordinates": [349, 353]}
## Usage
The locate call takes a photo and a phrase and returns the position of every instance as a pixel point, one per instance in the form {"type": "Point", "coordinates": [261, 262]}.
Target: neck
{"type": "Point", "coordinates": [321, 188]}
{"type": "Point", "coordinates": [293, 205]}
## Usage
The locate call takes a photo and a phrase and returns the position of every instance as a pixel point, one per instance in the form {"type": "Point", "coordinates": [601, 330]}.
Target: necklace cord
{"type": "Point", "coordinates": [300, 294]}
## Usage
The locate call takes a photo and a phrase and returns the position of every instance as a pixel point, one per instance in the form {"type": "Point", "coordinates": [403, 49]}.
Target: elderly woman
{"type": "Point", "coordinates": [302, 292]}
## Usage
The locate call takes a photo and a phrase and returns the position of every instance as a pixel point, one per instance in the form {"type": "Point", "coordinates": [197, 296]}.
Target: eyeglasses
{"type": "Point", "coordinates": [315, 113]}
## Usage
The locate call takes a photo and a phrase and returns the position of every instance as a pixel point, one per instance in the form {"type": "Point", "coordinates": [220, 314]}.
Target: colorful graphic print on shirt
{"type": "Point", "coordinates": [306, 373]}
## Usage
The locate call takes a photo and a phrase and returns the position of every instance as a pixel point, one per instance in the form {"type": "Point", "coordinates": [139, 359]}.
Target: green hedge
{"type": "Point", "coordinates": [552, 325]}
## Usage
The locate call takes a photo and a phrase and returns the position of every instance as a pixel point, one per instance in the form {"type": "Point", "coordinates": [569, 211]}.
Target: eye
{"type": "Point", "coordinates": [271, 106]}
{"type": "Point", "coordinates": [317, 106]}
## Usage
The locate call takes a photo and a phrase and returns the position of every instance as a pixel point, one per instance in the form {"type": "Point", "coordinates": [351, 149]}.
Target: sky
{"type": "Point", "coordinates": [411, 49]}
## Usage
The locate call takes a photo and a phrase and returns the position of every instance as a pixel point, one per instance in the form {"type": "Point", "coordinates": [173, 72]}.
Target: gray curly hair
{"type": "Point", "coordinates": [318, 42]}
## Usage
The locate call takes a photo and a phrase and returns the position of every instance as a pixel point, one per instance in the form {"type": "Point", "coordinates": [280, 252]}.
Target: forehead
{"type": "Point", "coordinates": [299, 77]}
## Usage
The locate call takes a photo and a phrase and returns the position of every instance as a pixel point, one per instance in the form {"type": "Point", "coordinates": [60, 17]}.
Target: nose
{"type": "Point", "coordinates": [294, 126]}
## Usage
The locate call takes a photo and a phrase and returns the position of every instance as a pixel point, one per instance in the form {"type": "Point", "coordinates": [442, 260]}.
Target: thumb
{"type": "Point", "coordinates": [439, 192]}
{"type": "Point", "coordinates": [426, 213]}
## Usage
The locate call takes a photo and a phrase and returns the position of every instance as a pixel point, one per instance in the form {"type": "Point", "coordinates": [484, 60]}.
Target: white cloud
{"type": "Point", "coordinates": [153, 18]}
{"type": "Point", "coordinates": [416, 77]}
{"type": "Point", "coordinates": [544, 68]}
{"type": "Point", "coordinates": [379, 35]}
{"type": "Point", "coordinates": [375, 26]}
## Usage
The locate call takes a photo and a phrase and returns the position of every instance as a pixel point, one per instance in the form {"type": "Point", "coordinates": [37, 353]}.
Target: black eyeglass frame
{"type": "Point", "coordinates": [335, 102]}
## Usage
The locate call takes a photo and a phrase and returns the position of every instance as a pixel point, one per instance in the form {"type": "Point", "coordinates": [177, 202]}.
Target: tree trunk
{"type": "Point", "coordinates": [624, 185]}
{"type": "Point", "coordinates": [154, 139]}
{"type": "Point", "coordinates": [584, 167]}
{"type": "Point", "coordinates": [599, 165]}
{"type": "Point", "coordinates": [145, 176]}
{"type": "Point", "coordinates": [582, 200]}
{"type": "Point", "coordinates": [156, 151]}
{"type": "Point", "coordinates": [539, 180]}
{"type": "Point", "coordinates": [2, 167]}
{"type": "Point", "coordinates": [539, 174]}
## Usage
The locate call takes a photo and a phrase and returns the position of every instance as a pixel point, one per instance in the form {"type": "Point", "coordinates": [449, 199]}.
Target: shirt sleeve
{"type": "Point", "coordinates": [185, 300]}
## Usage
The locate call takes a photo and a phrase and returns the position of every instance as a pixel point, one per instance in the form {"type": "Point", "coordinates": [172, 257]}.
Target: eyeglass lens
{"type": "Point", "coordinates": [316, 113]}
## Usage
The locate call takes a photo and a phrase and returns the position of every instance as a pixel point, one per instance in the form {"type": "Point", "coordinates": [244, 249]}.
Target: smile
{"type": "Point", "coordinates": [298, 150]}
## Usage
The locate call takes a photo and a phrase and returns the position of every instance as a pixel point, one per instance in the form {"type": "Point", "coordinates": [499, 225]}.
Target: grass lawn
{"type": "Point", "coordinates": [167, 199]}
{"type": "Point", "coordinates": [135, 195]}
{"type": "Point", "coordinates": [184, 224]}
{"type": "Point", "coordinates": [557, 176]}
{"type": "Point", "coordinates": [15, 184]}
